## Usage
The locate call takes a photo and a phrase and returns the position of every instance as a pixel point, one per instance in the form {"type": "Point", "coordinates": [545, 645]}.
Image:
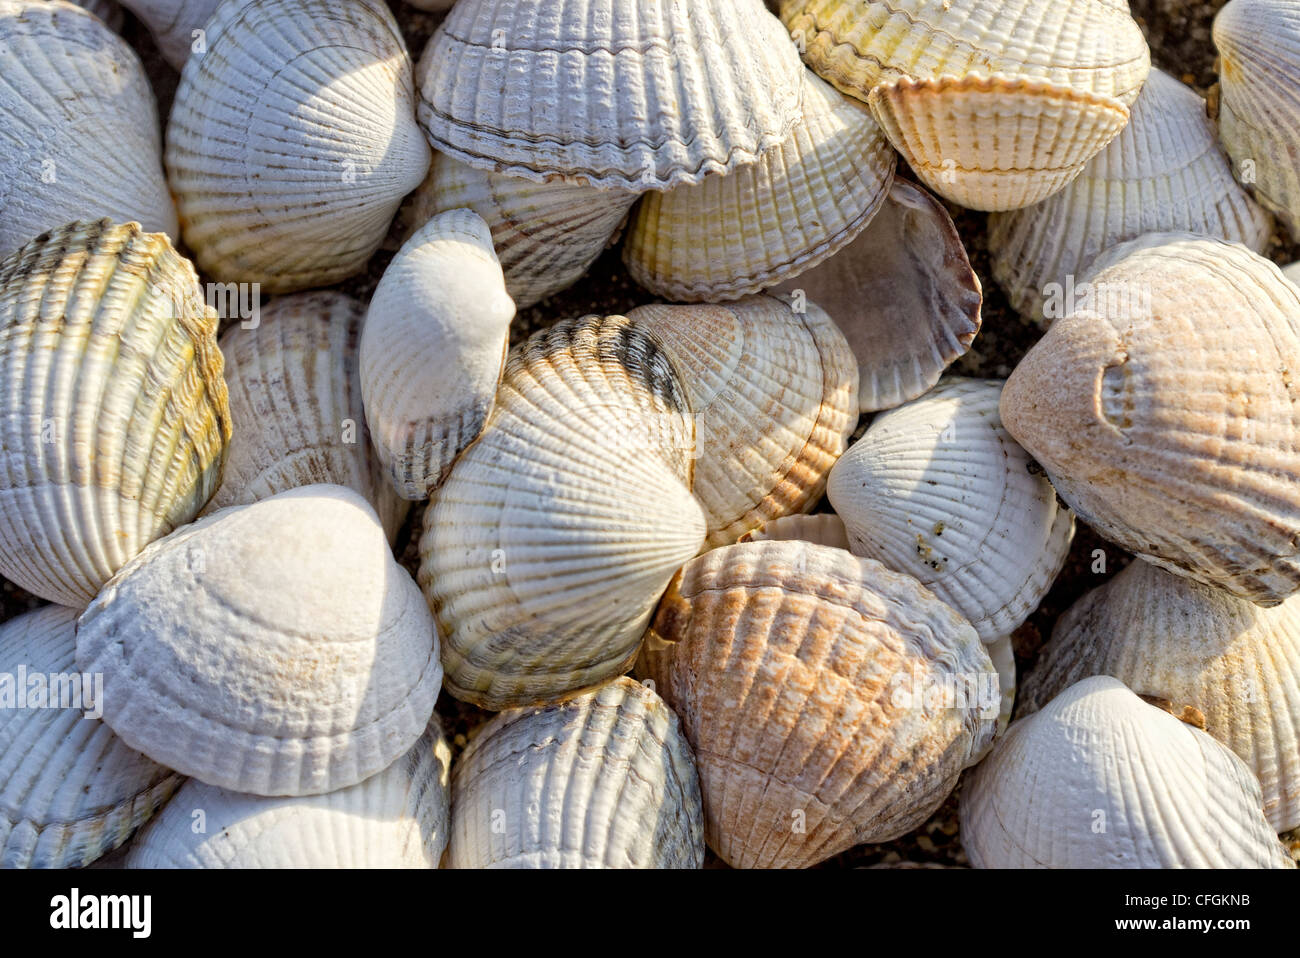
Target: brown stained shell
{"type": "Point", "coordinates": [805, 679]}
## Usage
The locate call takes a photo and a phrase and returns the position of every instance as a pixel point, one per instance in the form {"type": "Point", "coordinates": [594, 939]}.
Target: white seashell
{"type": "Point", "coordinates": [276, 648]}
{"type": "Point", "coordinates": [115, 422]}
{"type": "Point", "coordinates": [823, 529]}
{"type": "Point", "coordinates": [432, 349]}
{"type": "Point", "coordinates": [1167, 636]}
{"type": "Point", "coordinates": [1003, 655]}
{"type": "Point", "coordinates": [80, 136]}
{"type": "Point", "coordinates": [546, 235]}
{"type": "Point", "coordinates": [904, 295]}
{"type": "Point", "coordinates": [397, 818]}
{"type": "Point", "coordinates": [174, 24]}
{"type": "Point", "coordinates": [772, 391]}
{"type": "Point", "coordinates": [625, 94]}
{"type": "Point", "coordinates": [1164, 172]}
{"type": "Point", "coordinates": [1100, 779]}
{"type": "Point", "coordinates": [605, 780]}
{"type": "Point", "coordinates": [70, 790]}
{"type": "Point", "coordinates": [545, 551]}
{"type": "Point", "coordinates": [939, 490]}
{"type": "Point", "coordinates": [295, 405]}
{"type": "Point", "coordinates": [293, 139]}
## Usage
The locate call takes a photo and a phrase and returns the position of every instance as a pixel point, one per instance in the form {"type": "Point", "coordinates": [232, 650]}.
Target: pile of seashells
{"type": "Point", "coordinates": [619, 554]}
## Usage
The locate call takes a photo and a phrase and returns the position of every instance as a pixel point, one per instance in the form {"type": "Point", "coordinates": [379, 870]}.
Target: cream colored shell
{"type": "Point", "coordinates": [605, 780]}
{"type": "Point", "coordinates": [823, 529]}
{"type": "Point", "coordinates": [1101, 779]}
{"type": "Point", "coordinates": [276, 648]}
{"type": "Point", "coordinates": [173, 24]}
{"type": "Point", "coordinates": [116, 418]}
{"type": "Point", "coordinates": [772, 391]}
{"type": "Point", "coordinates": [1166, 411]}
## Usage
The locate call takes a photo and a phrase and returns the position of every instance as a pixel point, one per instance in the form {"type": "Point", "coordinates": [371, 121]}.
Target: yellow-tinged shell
{"type": "Point", "coordinates": [555, 534]}
{"type": "Point", "coordinates": [1166, 411]}
{"type": "Point", "coordinates": [827, 698]}
{"type": "Point", "coordinates": [116, 420]}
{"type": "Point", "coordinates": [773, 394]}
{"type": "Point", "coordinates": [1166, 636]}
{"type": "Point", "coordinates": [733, 235]}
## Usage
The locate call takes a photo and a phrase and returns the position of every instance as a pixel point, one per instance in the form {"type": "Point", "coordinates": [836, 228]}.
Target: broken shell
{"type": "Point", "coordinates": [295, 405]}
{"type": "Point", "coordinates": [938, 489]}
{"type": "Point", "coordinates": [547, 235]}
{"type": "Point", "coordinates": [176, 25]}
{"type": "Point", "coordinates": [69, 789]}
{"type": "Point", "coordinates": [823, 529]}
{"type": "Point", "coordinates": [733, 235]}
{"type": "Point", "coordinates": [555, 534]}
{"type": "Point", "coordinates": [772, 392]}
{"type": "Point", "coordinates": [625, 94]}
{"type": "Point", "coordinates": [80, 137]}
{"type": "Point", "coordinates": [1168, 636]}
{"type": "Point", "coordinates": [605, 780]}
{"type": "Point", "coordinates": [904, 295]}
{"type": "Point", "coordinates": [1259, 46]}
{"type": "Point", "coordinates": [432, 349]}
{"type": "Point", "coordinates": [1003, 655]}
{"type": "Point", "coordinates": [1159, 418]}
{"type": "Point", "coordinates": [1164, 172]}
{"type": "Point", "coordinates": [395, 819]}
{"type": "Point", "coordinates": [116, 420]}
{"type": "Point", "coordinates": [1101, 779]}
{"type": "Point", "coordinates": [293, 140]}
{"type": "Point", "coordinates": [276, 648]}
{"type": "Point", "coordinates": [805, 680]}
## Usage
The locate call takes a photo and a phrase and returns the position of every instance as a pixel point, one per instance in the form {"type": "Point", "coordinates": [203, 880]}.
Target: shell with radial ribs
{"type": "Point", "coordinates": [773, 396]}
{"type": "Point", "coordinates": [995, 104]}
{"type": "Point", "coordinates": [555, 534]}
{"type": "Point", "coordinates": [829, 700]}
{"type": "Point", "coordinates": [295, 403]}
{"type": "Point", "coordinates": [605, 780]}
{"type": "Point", "coordinates": [1193, 645]}
{"type": "Point", "coordinates": [395, 819]}
{"type": "Point", "coordinates": [276, 648]}
{"type": "Point", "coordinates": [1101, 779]}
{"type": "Point", "coordinates": [1164, 172]}
{"type": "Point", "coordinates": [904, 295]}
{"type": "Point", "coordinates": [70, 790]}
{"type": "Point", "coordinates": [1259, 100]}
{"type": "Point", "coordinates": [173, 24]}
{"type": "Point", "coordinates": [624, 94]}
{"type": "Point", "coordinates": [733, 235]}
{"type": "Point", "coordinates": [1166, 411]}
{"type": "Point", "coordinates": [432, 349]}
{"type": "Point", "coordinates": [293, 140]}
{"type": "Point", "coordinates": [938, 489]}
{"type": "Point", "coordinates": [546, 234]}
{"type": "Point", "coordinates": [116, 420]}
{"type": "Point", "coordinates": [80, 136]}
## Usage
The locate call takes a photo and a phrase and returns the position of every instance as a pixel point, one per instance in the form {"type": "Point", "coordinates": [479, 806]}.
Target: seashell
{"type": "Point", "coordinates": [116, 421]}
{"type": "Point", "coordinates": [938, 489]}
{"type": "Point", "coordinates": [624, 94]}
{"type": "Point", "coordinates": [545, 551]}
{"type": "Point", "coordinates": [1100, 779]}
{"type": "Point", "coordinates": [800, 674]}
{"type": "Point", "coordinates": [547, 235]}
{"type": "Point", "coordinates": [1292, 273]}
{"type": "Point", "coordinates": [1167, 636]}
{"type": "Point", "coordinates": [397, 818]}
{"type": "Point", "coordinates": [1259, 45]}
{"type": "Point", "coordinates": [174, 25]}
{"type": "Point", "coordinates": [733, 235]}
{"type": "Point", "coordinates": [276, 648]}
{"type": "Point", "coordinates": [772, 393]}
{"type": "Point", "coordinates": [80, 137]}
{"type": "Point", "coordinates": [1164, 172]}
{"type": "Point", "coordinates": [293, 140]}
{"type": "Point", "coordinates": [605, 780]}
{"type": "Point", "coordinates": [904, 295]}
{"type": "Point", "coordinates": [823, 529]}
{"type": "Point", "coordinates": [1160, 423]}
{"type": "Point", "coordinates": [70, 790]}
{"type": "Point", "coordinates": [1003, 655]}
{"type": "Point", "coordinates": [433, 348]}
